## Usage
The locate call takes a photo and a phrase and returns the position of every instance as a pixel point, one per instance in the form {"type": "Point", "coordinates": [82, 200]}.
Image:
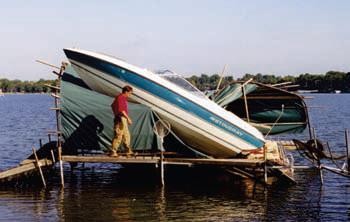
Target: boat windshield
{"type": "Point", "coordinates": [180, 81]}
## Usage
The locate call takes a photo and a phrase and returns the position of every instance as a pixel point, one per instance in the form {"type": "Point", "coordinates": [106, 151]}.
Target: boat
{"type": "Point", "coordinates": [195, 119]}
{"type": "Point", "coordinates": [271, 109]}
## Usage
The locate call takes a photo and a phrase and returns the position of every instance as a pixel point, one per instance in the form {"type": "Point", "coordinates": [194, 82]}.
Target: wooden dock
{"type": "Point", "coordinates": [234, 166]}
{"type": "Point", "coordinates": [25, 169]}
{"type": "Point", "coordinates": [167, 161]}
{"type": "Point", "coordinates": [245, 168]}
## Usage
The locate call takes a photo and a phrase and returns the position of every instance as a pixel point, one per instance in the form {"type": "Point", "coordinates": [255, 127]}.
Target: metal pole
{"type": "Point", "coordinates": [61, 165]}
{"type": "Point", "coordinates": [347, 148]}
{"type": "Point", "coordinates": [38, 165]}
{"type": "Point", "coordinates": [162, 167]}
{"type": "Point", "coordinates": [161, 161]}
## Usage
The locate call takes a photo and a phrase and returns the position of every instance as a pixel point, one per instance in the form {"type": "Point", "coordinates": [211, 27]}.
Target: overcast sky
{"type": "Point", "coordinates": [189, 37]}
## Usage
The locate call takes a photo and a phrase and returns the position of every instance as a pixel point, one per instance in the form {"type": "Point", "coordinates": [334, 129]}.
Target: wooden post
{"type": "Point", "coordinates": [41, 143]}
{"type": "Point", "coordinates": [314, 135]}
{"type": "Point", "coordinates": [245, 98]}
{"type": "Point", "coordinates": [347, 148]}
{"type": "Point", "coordinates": [319, 165]}
{"type": "Point", "coordinates": [39, 167]}
{"type": "Point", "coordinates": [265, 165]}
{"type": "Point", "coordinates": [61, 165]}
{"type": "Point", "coordinates": [321, 175]}
{"type": "Point", "coordinates": [221, 77]}
{"type": "Point", "coordinates": [53, 157]}
{"type": "Point", "coordinates": [49, 136]}
{"type": "Point", "coordinates": [245, 103]}
{"type": "Point", "coordinates": [162, 167]}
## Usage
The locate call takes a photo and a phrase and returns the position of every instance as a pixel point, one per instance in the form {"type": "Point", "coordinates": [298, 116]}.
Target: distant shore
{"type": "Point", "coordinates": [22, 93]}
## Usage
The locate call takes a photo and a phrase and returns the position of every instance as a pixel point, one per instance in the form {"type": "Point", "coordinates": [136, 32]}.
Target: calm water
{"type": "Point", "coordinates": [97, 192]}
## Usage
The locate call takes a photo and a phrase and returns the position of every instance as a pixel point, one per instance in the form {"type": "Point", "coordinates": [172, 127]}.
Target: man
{"type": "Point", "coordinates": [121, 121]}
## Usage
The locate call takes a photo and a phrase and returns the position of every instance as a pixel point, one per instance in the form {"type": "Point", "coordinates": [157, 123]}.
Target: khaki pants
{"type": "Point", "coordinates": [121, 134]}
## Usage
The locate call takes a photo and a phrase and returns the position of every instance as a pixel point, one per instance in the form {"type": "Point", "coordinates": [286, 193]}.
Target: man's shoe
{"type": "Point", "coordinates": [129, 153]}
{"type": "Point", "coordinates": [113, 154]}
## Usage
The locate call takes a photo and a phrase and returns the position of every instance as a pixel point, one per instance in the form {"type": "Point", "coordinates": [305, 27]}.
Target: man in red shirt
{"type": "Point", "coordinates": [121, 121]}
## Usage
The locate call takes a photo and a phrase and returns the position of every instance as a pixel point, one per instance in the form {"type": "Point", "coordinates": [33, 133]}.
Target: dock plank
{"type": "Point", "coordinates": [23, 169]}
{"type": "Point", "coordinates": [108, 159]}
{"type": "Point", "coordinates": [156, 159]}
{"type": "Point", "coordinates": [219, 162]}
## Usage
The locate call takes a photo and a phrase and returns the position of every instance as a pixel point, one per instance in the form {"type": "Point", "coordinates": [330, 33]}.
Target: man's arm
{"type": "Point", "coordinates": [127, 117]}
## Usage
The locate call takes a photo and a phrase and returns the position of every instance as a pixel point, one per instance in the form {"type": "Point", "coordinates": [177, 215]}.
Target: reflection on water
{"type": "Point", "coordinates": [100, 191]}
{"type": "Point", "coordinates": [94, 196]}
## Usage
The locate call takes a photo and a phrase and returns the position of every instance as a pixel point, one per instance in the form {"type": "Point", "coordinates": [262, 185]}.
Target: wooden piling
{"type": "Point", "coordinates": [53, 156]}
{"type": "Point", "coordinates": [319, 165]}
{"type": "Point", "coordinates": [347, 149]}
{"type": "Point", "coordinates": [61, 165]}
{"type": "Point", "coordinates": [265, 164]}
{"type": "Point", "coordinates": [39, 167]}
{"type": "Point", "coordinates": [162, 167]}
{"type": "Point", "coordinates": [245, 98]}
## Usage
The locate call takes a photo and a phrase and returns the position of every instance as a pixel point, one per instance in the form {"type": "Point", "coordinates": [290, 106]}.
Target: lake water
{"type": "Point", "coordinates": [99, 193]}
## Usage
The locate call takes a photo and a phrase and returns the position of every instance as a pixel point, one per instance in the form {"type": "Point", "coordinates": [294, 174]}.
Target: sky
{"type": "Point", "coordinates": [189, 37]}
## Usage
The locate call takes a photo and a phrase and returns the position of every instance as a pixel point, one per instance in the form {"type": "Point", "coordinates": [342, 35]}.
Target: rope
{"type": "Point", "coordinates": [177, 138]}
{"type": "Point", "coordinates": [304, 154]}
{"type": "Point", "coordinates": [279, 117]}
{"type": "Point", "coordinates": [331, 157]}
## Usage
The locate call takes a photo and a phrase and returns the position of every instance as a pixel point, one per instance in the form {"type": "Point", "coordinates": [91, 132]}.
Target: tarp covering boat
{"type": "Point", "coordinates": [87, 121]}
{"type": "Point", "coordinates": [270, 109]}
{"type": "Point", "coordinates": [87, 118]}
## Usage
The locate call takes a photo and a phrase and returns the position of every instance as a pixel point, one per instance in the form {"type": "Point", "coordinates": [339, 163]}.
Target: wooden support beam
{"type": "Point", "coordinates": [161, 168]}
{"type": "Point", "coordinates": [46, 63]}
{"type": "Point", "coordinates": [57, 73]}
{"type": "Point", "coordinates": [61, 165]}
{"type": "Point", "coordinates": [271, 97]}
{"type": "Point", "coordinates": [107, 159]}
{"type": "Point", "coordinates": [218, 162]}
{"type": "Point", "coordinates": [167, 161]}
{"type": "Point", "coordinates": [52, 87]}
{"type": "Point", "coordinates": [281, 84]}
{"type": "Point", "coordinates": [53, 156]}
{"type": "Point", "coordinates": [23, 169]}
{"type": "Point", "coordinates": [265, 164]}
{"type": "Point", "coordinates": [347, 148]}
{"type": "Point", "coordinates": [55, 95]}
{"type": "Point", "coordinates": [39, 167]}
{"type": "Point", "coordinates": [53, 132]}
{"type": "Point", "coordinates": [289, 86]}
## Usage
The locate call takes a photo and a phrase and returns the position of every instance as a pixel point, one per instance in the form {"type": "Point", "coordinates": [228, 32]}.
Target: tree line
{"type": "Point", "coordinates": [329, 82]}
{"type": "Point", "coordinates": [18, 86]}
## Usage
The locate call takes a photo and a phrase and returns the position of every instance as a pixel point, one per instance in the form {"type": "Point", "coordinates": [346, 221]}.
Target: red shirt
{"type": "Point", "coordinates": [119, 105]}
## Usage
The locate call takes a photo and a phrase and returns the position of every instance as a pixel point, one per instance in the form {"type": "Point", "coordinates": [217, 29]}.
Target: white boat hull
{"type": "Point", "coordinates": [193, 130]}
